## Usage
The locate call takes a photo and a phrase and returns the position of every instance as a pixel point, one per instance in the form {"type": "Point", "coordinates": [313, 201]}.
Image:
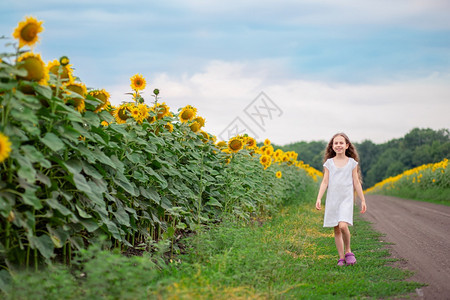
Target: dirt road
{"type": "Point", "coordinates": [420, 232]}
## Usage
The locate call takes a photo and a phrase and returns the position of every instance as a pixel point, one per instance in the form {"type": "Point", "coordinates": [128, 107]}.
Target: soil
{"type": "Point", "coordinates": [420, 233]}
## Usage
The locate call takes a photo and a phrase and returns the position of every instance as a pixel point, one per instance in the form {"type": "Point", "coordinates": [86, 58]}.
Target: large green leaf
{"type": "Point", "coordinates": [52, 141]}
{"type": "Point", "coordinates": [44, 244]}
{"type": "Point", "coordinates": [35, 156]}
{"type": "Point", "coordinates": [29, 197]}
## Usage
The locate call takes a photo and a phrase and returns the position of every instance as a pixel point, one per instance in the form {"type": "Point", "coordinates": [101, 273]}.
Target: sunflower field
{"type": "Point", "coordinates": [426, 182]}
{"type": "Point", "coordinates": [74, 168]}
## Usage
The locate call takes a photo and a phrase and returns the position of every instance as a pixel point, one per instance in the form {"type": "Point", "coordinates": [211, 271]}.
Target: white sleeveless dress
{"type": "Point", "coordinates": [339, 201]}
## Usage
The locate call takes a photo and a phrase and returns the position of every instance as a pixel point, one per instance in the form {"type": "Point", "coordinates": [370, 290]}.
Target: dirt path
{"type": "Point", "coordinates": [420, 232]}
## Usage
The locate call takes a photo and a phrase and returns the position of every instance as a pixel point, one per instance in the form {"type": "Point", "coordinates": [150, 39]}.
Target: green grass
{"type": "Point", "coordinates": [290, 256]}
{"type": "Point", "coordinates": [435, 195]}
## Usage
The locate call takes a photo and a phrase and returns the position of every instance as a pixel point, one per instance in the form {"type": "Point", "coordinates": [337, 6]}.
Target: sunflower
{"type": "Point", "coordinates": [35, 67]}
{"type": "Point", "coordinates": [138, 82]}
{"type": "Point", "coordinates": [250, 143]}
{"type": "Point", "coordinates": [169, 126]}
{"type": "Point", "coordinates": [278, 174]}
{"type": "Point", "coordinates": [278, 154]}
{"type": "Point", "coordinates": [151, 115]}
{"type": "Point", "coordinates": [161, 110]}
{"type": "Point", "coordinates": [121, 114]}
{"type": "Point", "coordinates": [65, 72]}
{"type": "Point", "coordinates": [134, 111]}
{"type": "Point", "coordinates": [235, 144]}
{"type": "Point", "coordinates": [5, 147]}
{"type": "Point", "coordinates": [221, 144]}
{"type": "Point", "coordinates": [200, 120]}
{"type": "Point", "coordinates": [144, 111]}
{"type": "Point", "coordinates": [187, 113]}
{"type": "Point", "coordinates": [205, 135]}
{"type": "Point", "coordinates": [265, 160]}
{"type": "Point", "coordinates": [268, 150]}
{"type": "Point", "coordinates": [80, 89]}
{"type": "Point", "coordinates": [266, 142]}
{"type": "Point", "coordinates": [27, 32]}
{"type": "Point", "coordinates": [195, 126]}
{"type": "Point", "coordinates": [103, 96]}
{"type": "Point", "coordinates": [104, 123]}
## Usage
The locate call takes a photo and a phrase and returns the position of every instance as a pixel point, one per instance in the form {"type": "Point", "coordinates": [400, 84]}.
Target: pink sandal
{"type": "Point", "coordinates": [350, 259]}
{"type": "Point", "coordinates": [341, 262]}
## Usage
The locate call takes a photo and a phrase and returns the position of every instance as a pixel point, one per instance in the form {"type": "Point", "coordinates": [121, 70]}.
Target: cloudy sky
{"type": "Point", "coordinates": [287, 70]}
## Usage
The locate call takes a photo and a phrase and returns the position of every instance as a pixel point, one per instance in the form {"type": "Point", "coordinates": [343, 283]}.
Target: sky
{"type": "Point", "coordinates": [287, 70]}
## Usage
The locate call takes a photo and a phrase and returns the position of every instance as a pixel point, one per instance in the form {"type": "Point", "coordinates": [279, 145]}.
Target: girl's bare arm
{"type": "Point", "coordinates": [359, 190]}
{"type": "Point", "coordinates": [323, 188]}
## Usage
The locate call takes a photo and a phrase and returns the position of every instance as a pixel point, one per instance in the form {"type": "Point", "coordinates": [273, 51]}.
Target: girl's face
{"type": "Point", "coordinates": [339, 144]}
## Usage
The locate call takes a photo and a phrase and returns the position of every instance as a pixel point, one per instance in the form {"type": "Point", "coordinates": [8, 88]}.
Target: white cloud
{"type": "Point", "coordinates": [312, 110]}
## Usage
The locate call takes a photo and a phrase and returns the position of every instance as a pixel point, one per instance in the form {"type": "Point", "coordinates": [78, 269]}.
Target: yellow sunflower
{"type": "Point", "coordinates": [5, 147]}
{"type": "Point", "coordinates": [64, 72]}
{"type": "Point", "coordinates": [278, 174]}
{"type": "Point", "coordinates": [250, 143]}
{"type": "Point", "coordinates": [121, 114]}
{"type": "Point", "coordinates": [265, 160]}
{"type": "Point", "coordinates": [135, 113]}
{"type": "Point", "coordinates": [103, 96]}
{"type": "Point", "coordinates": [268, 151]}
{"type": "Point", "coordinates": [104, 123]}
{"type": "Point", "coordinates": [161, 110]}
{"type": "Point", "coordinates": [35, 67]}
{"type": "Point", "coordinates": [78, 100]}
{"type": "Point", "coordinates": [266, 142]}
{"type": "Point", "coordinates": [235, 144]}
{"type": "Point", "coordinates": [195, 126]}
{"type": "Point", "coordinates": [138, 82]}
{"type": "Point", "coordinates": [27, 32]}
{"type": "Point", "coordinates": [200, 120]}
{"type": "Point", "coordinates": [169, 126]}
{"type": "Point", "coordinates": [221, 144]}
{"type": "Point", "coordinates": [143, 111]}
{"type": "Point", "coordinates": [187, 113]}
{"type": "Point", "coordinates": [205, 135]}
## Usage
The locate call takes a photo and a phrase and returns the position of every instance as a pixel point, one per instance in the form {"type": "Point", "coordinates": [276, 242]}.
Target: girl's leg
{"type": "Point", "coordinates": [343, 228]}
{"type": "Point", "coordinates": [339, 242]}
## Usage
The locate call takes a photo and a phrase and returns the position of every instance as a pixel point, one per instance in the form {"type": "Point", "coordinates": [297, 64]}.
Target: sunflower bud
{"type": "Point", "coordinates": [156, 92]}
{"type": "Point", "coordinates": [64, 61]}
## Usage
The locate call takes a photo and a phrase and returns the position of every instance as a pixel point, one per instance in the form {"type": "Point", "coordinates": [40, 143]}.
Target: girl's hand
{"type": "Point", "coordinates": [363, 207]}
{"type": "Point", "coordinates": [318, 205]}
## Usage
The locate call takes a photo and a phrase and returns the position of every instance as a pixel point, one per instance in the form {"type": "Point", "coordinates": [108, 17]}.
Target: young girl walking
{"type": "Point", "coordinates": [341, 176]}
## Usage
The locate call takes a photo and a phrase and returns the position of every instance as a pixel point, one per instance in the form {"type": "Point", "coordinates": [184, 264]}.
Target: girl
{"type": "Point", "coordinates": [341, 176]}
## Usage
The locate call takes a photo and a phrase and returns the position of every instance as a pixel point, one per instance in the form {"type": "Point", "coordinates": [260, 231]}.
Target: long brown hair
{"type": "Point", "coordinates": [349, 152]}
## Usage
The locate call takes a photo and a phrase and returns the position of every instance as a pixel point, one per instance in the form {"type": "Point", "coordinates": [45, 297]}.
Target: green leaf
{"type": "Point", "coordinates": [30, 198]}
{"type": "Point", "coordinates": [92, 118]}
{"type": "Point", "coordinates": [35, 156]}
{"type": "Point", "coordinates": [82, 213]}
{"type": "Point", "coordinates": [213, 202]}
{"type": "Point", "coordinates": [104, 115]}
{"type": "Point", "coordinates": [44, 244]}
{"type": "Point", "coordinates": [52, 141]}
{"type": "Point", "coordinates": [53, 203]}
{"type": "Point", "coordinates": [26, 170]}
{"type": "Point", "coordinates": [90, 224]}
{"type": "Point", "coordinates": [44, 90]}
{"type": "Point", "coordinates": [151, 194]}
{"type": "Point", "coordinates": [59, 236]}
{"type": "Point", "coordinates": [122, 216]}
{"type": "Point", "coordinates": [74, 166]}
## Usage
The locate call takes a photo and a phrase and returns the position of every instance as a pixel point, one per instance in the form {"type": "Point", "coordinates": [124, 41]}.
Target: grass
{"type": "Point", "coordinates": [289, 256]}
{"type": "Point", "coordinates": [435, 195]}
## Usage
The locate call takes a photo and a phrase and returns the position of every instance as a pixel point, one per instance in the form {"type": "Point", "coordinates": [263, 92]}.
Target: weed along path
{"type": "Point", "coordinates": [420, 233]}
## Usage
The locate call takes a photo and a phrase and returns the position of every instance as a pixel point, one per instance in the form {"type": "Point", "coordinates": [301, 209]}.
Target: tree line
{"type": "Point", "coordinates": [379, 161]}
